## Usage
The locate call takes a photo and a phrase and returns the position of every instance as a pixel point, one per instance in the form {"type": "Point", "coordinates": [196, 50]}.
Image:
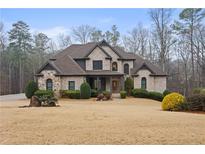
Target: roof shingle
{"type": "Point", "coordinates": [65, 64]}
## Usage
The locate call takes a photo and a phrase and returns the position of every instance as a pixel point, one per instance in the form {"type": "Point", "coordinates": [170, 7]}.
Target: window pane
{"type": "Point", "coordinates": [71, 85]}
{"type": "Point", "coordinates": [97, 64]}
{"type": "Point", "coordinates": [143, 83]}
{"type": "Point", "coordinates": [126, 69]}
{"type": "Point", "coordinates": [49, 84]}
{"type": "Point", "coordinates": [114, 66]}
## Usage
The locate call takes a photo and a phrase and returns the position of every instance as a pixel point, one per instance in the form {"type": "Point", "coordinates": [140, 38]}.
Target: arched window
{"type": "Point", "coordinates": [126, 69]}
{"type": "Point", "coordinates": [49, 84]}
{"type": "Point", "coordinates": [144, 83]}
{"type": "Point", "coordinates": [114, 66]}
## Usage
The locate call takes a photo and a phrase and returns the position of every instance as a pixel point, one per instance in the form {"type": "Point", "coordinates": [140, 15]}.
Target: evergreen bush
{"type": "Point", "coordinates": [140, 93]}
{"type": "Point", "coordinates": [30, 89]}
{"type": "Point", "coordinates": [85, 91]}
{"type": "Point", "coordinates": [44, 93]}
{"type": "Point", "coordinates": [155, 96]}
{"type": "Point", "coordinates": [94, 93]}
{"type": "Point", "coordinates": [129, 85]}
{"type": "Point", "coordinates": [166, 92]}
{"type": "Point", "coordinates": [123, 94]}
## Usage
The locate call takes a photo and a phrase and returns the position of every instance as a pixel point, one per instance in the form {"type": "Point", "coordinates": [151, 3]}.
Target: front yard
{"type": "Point", "coordinates": [121, 121]}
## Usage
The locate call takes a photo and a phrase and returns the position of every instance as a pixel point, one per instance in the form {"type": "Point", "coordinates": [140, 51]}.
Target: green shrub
{"type": "Point", "coordinates": [140, 93]}
{"type": "Point", "coordinates": [172, 102]}
{"type": "Point", "coordinates": [30, 89]}
{"type": "Point", "coordinates": [155, 95]}
{"type": "Point", "coordinates": [129, 85]}
{"type": "Point", "coordinates": [73, 94]}
{"type": "Point", "coordinates": [85, 90]}
{"type": "Point", "coordinates": [166, 92]}
{"type": "Point", "coordinates": [63, 93]}
{"type": "Point", "coordinates": [94, 93]}
{"type": "Point", "coordinates": [196, 102]}
{"type": "Point", "coordinates": [123, 94]}
{"type": "Point", "coordinates": [42, 93]}
{"type": "Point", "coordinates": [182, 106]}
{"type": "Point", "coordinates": [107, 95]}
{"type": "Point", "coordinates": [48, 101]}
{"type": "Point", "coordinates": [199, 91]}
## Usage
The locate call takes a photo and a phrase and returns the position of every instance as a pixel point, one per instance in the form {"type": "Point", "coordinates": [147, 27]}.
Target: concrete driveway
{"type": "Point", "coordinates": [12, 97]}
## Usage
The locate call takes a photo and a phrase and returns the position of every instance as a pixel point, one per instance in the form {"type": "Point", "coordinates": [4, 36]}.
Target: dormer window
{"type": "Point", "coordinates": [97, 64]}
{"type": "Point", "coordinates": [114, 66]}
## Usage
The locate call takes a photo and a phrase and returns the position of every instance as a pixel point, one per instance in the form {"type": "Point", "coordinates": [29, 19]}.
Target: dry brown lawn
{"type": "Point", "coordinates": [129, 121]}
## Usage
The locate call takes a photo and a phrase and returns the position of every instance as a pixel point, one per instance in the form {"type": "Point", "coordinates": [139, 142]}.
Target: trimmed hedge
{"type": "Point", "coordinates": [44, 93]}
{"type": "Point", "coordinates": [166, 92]}
{"type": "Point", "coordinates": [123, 94]}
{"type": "Point", "coordinates": [156, 96]}
{"type": "Point", "coordinates": [30, 89]}
{"type": "Point", "coordinates": [73, 94]}
{"type": "Point", "coordinates": [94, 93]}
{"type": "Point", "coordinates": [129, 85]}
{"type": "Point", "coordinates": [140, 93]}
{"type": "Point", "coordinates": [63, 93]}
{"type": "Point", "coordinates": [85, 90]}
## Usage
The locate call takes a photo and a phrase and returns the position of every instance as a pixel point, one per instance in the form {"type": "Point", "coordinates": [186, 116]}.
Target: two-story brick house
{"type": "Point", "coordinates": [104, 67]}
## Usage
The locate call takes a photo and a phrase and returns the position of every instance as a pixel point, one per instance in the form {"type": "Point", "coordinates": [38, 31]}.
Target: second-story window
{"type": "Point", "coordinates": [114, 66]}
{"type": "Point", "coordinates": [126, 69]}
{"type": "Point", "coordinates": [97, 64]}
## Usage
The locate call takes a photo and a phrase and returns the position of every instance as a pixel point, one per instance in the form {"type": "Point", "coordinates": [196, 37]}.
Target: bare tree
{"type": "Point", "coordinates": [97, 36]}
{"type": "Point", "coordinates": [64, 41]}
{"type": "Point", "coordinates": [185, 56]}
{"type": "Point", "coordinates": [2, 37]}
{"type": "Point", "coordinates": [131, 41]}
{"type": "Point", "coordinates": [82, 33]}
{"type": "Point", "coordinates": [162, 33]}
{"type": "Point", "coordinates": [190, 19]}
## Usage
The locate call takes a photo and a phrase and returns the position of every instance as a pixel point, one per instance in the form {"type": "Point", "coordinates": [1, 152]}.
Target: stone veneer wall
{"type": "Point", "coordinates": [114, 58]}
{"type": "Point", "coordinates": [78, 81]}
{"type": "Point", "coordinates": [130, 63]}
{"type": "Point", "coordinates": [98, 54]}
{"type": "Point", "coordinates": [49, 74]}
{"type": "Point", "coordinates": [153, 83]}
{"type": "Point", "coordinates": [59, 83]}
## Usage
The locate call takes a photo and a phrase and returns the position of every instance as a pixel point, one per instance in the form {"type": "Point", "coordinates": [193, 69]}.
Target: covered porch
{"type": "Point", "coordinates": [101, 82]}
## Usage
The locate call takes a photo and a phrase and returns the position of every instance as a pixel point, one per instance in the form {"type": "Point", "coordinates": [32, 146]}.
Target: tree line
{"type": "Point", "coordinates": [177, 46]}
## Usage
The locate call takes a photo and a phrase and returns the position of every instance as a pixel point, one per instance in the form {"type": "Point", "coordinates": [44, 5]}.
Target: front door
{"type": "Point", "coordinates": [115, 86]}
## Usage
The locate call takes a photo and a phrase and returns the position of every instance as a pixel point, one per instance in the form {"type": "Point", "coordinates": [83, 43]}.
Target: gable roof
{"type": "Point", "coordinates": [64, 63]}
{"type": "Point", "coordinates": [101, 50]}
{"type": "Point", "coordinates": [141, 63]}
{"type": "Point", "coordinates": [77, 50]}
{"type": "Point", "coordinates": [125, 55]}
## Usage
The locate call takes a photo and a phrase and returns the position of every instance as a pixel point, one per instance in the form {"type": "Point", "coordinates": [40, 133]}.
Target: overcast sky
{"type": "Point", "coordinates": [55, 21]}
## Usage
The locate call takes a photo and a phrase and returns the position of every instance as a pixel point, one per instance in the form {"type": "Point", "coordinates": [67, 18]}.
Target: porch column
{"type": "Point", "coordinates": [122, 82]}
{"type": "Point", "coordinates": [111, 84]}
{"type": "Point", "coordinates": [97, 82]}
